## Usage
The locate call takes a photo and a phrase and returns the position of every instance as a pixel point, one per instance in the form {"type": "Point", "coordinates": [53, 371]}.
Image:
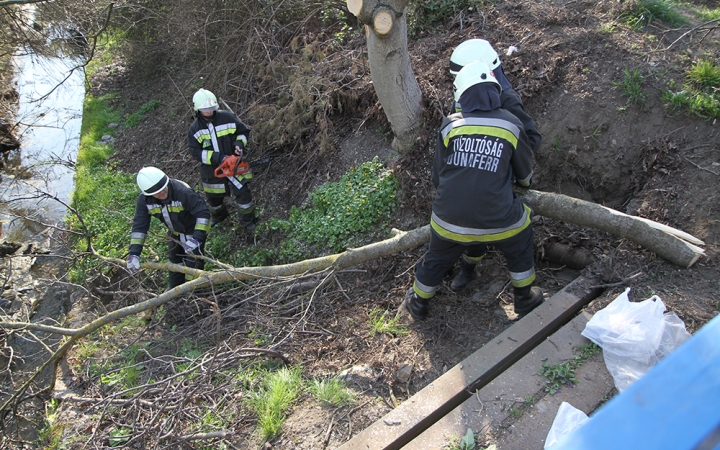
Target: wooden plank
{"type": "Point", "coordinates": [437, 399]}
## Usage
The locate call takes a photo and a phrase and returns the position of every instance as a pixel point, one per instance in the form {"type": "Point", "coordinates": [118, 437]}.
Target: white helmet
{"type": "Point", "coordinates": [473, 50]}
{"type": "Point", "coordinates": [474, 73]}
{"type": "Point", "coordinates": [204, 99]}
{"type": "Point", "coordinates": [151, 180]}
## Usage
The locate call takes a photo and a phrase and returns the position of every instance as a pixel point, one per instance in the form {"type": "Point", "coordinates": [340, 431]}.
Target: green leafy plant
{"type": "Point", "coordinates": [331, 392]}
{"type": "Point", "coordinates": [190, 349]}
{"type": "Point", "coordinates": [467, 442]}
{"type": "Point", "coordinates": [557, 144]}
{"type": "Point", "coordinates": [126, 378]}
{"type": "Point", "coordinates": [632, 87]}
{"type": "Point", "coordinates": [50, 434]}
{"type": "Point", "coordinates": [134, 118]}
{"type": "Point", "coordinates": [643, 12]}
{"type": "Point", "coordinates": [701, 91]}
{"type": "Point", "coordinates": [339, 211]}
{"type": "Point", "coordinates": [259, 337]}
{"type": "Point", "coordinates": [119, 436]}
{"type": "Point", "coordinates": [707, 14]}
{"type": "Point", "coordinates": [516, 412]}
{"type": "Point", "coordinates": [563, 374]}
{"type": "Point", "coordinates": [277, 393]}
{"type": "Point", "coordinates": [608, 27]}
{"type": "Point", "coordinates": [381, 324]}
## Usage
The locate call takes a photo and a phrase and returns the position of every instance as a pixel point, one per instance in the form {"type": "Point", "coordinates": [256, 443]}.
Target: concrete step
{"type": "Point", "coordinates": [514, 411]}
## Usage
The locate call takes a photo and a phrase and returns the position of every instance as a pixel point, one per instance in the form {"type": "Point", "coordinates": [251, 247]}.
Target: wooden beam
{"type": "Point", "coordinates": [415, 415]}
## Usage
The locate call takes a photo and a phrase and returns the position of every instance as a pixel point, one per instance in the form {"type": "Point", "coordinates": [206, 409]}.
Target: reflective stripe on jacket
{"type": "Point", "coordinates": [477, 157]}
{"type": "Point", "coordinates": [183, 212]}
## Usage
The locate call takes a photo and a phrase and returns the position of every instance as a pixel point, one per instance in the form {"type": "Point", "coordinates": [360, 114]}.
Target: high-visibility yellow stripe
{"type": "Point", "coordinates": [483, 238]}
{"type": "Point", "coordinates": [469, 130]}
{"type": "Point", "coordinates": [524, 282]}
{"type": "Point", "coordinates": [424, 291]}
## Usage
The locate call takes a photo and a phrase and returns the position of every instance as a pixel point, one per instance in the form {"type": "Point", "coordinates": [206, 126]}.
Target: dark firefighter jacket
{"type": "Point", "coordinates": [184, 212]}
{"type": "Point", "coordinates": [510, 101]}
{"type": "Point", "coordinates": [479, 153]}
{"type": "Point", "coordinates": [209, 140]}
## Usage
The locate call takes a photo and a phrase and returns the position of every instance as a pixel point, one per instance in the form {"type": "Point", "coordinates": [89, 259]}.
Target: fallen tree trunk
{"type": "Point", "coordinates": [667, 242]}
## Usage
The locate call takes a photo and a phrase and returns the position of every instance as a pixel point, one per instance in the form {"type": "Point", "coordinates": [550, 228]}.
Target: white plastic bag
{"type": "Point", "coordinates": [634, 336]}
{"type": "Point", "coordinates": [567, 420]}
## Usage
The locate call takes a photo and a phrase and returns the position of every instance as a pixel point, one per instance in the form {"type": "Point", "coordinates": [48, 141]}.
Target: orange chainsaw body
{"type": "Point", "coordinates": [231, 166]}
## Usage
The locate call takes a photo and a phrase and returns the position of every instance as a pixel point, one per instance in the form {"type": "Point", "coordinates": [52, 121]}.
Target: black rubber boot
{"type": "Point", "coordinates": [526, 299]}
{"type": "Point", "coordinates": [248, 221]}
{"type": "Point", "coordinates": [416, 305]}
{"type": "Point", "coordinates": [466, 275]}
{"type": "Point", "coordinates": [219, 216]}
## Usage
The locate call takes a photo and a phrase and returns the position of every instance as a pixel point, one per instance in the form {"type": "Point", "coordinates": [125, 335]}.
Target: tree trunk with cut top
{"type": "Point", "coordinates": [392, 75]}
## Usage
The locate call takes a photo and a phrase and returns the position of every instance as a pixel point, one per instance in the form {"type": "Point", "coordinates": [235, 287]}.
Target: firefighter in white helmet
{"type": "Point", "coordinates": [183, 212]}
{"type": "Point", "coordinates": [480, 150]}
{"type": "Point", "coordinates": [214, 135]}
{"type": "Point", "coordinates": [481, 50]}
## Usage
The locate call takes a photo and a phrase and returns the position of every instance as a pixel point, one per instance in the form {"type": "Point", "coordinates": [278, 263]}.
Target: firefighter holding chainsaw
{"type": "Point", "coordinates": [218, 138]}
{"type": "Point", "coordinates": [183, 212]}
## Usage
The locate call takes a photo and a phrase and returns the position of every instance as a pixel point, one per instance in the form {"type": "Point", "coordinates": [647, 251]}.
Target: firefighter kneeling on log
{"type": "Point", "coordinates": [479, 152]}
{"type": "Point", "coordinates": [212, 137]}
{"type": "Point", "coordinates": [183, 212]}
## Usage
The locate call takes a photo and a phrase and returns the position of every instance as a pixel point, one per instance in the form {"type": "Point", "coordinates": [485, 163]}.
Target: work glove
{"type": "Point", "coordinates": [133, 263]}
{"type": "Point", "coordinates": [191, 245]}
{"type": "Point", "coordinates": [240, 150]}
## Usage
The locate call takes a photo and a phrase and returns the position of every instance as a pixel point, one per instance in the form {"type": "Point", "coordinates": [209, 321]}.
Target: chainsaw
{"type": "Point", "coordinates": [233, 166]}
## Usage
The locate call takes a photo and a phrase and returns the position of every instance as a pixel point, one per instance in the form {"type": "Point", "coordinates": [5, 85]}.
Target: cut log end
{"type": "Point", "coordinates": [355, 6]}
{"type": "Point", "coordinates": [382, 23]}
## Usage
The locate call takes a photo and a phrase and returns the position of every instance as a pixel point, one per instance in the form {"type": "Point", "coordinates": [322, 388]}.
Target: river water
{"type": "Point", "coordinates": [51, 92]}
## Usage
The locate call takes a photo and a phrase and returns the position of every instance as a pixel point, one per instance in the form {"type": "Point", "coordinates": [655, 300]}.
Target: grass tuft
{"type": "Point", "coordinates": [643, 12]}
{"type": "Point", "coordinates": [134, 118]}
{"type": "Point", "coordinates": [701, 92]}
{"type": "Point", "coordinates": [278, 392]}
{"type": "Point", "coordinates": [381, 324]}
{"type": "Point", "coordinates": [632, 87]}
{"type": "Point", "coordinates": [331, 392]}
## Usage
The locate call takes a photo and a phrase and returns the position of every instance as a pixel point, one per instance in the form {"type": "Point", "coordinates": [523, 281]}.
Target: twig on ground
{"type": "Point", "coordinates": [700, 167]}
{"type": "Point", "coordinates": [619, 283]}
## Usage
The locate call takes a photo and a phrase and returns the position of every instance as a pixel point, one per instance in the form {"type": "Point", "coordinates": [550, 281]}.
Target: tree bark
{"type": "Point", "coordinates": [390, 68]}
{"type": "Point", "coordinates": [666, 242]}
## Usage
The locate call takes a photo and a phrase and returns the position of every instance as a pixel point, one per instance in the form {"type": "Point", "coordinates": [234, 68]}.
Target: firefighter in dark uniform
{"type": "Point", "coordinates": [212, 136]}
{"type": "Point", "coordinates": [183, 212]}
{"type": "Point", "coordinates": [481, 50]}
{"type": "Point", "coordinates": [480, 151]}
